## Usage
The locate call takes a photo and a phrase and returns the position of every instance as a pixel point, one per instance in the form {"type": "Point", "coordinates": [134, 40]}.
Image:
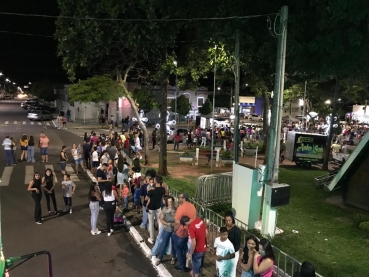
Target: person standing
{"type": "Point", "coordinates": [180, 234]}
{"type": "Point", "coordinates": [224, 252]}
{"type": "Point", "coordinates": [48, 185]}
{"type": "Point", "coordinates": [63, 159]}
{"type": "Point", "coordinates": [153, 138]}
{"type": "Point", "coordinates": [198, 232]}
{"type": "Point", "coordinates": [86, 152]}
{"type": "Point", "coordinates": [111, 123]}
{"type": "Point", "coordinates": [102, 180]}
{"type": "Point", "coordinates": [234, 235]}
{"type": "Point", "coordinates": [24, 147]}
{"type": "Point", "coordinates": [58, 121]}
{"type": "Point", "coordinates": [68, 187]}
{"type": "Point", "coordinates": [44, 146]}
{"type": "Point", "coordinates": [94, 198]}
{"type": "Point", "coordinates": [264, 259]}
{"type": "Point", "coordinates": [176, 139]}
{"type": "Point", "coordinates": [14, 148]}
{"type": "Point", "coordinates": [110, 205]}
{"type": "Point", "coordinates": [77, 156]}
{"type": "Point", "coordinates": [68, 115]}
{"type": "Point", "coordinates": [35, 187]}
{"type": "Point", "coordinates": [247, 256]}
{"type": "Point", "coordinates": [155, 201]}
{"type": "Point", "coordinates": [7, 143]}
{"type": "Point", "coordinates": [31, 150]}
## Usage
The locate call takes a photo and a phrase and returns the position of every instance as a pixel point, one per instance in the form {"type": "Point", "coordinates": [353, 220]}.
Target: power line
{"type": "Point", "coordinates": [25, 34]}
{"type": "Point", "coordinates": [135, 19]}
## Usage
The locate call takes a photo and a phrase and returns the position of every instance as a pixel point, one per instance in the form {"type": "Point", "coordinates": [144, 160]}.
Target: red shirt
{"type": "Point", "coordinates": [197, 230]}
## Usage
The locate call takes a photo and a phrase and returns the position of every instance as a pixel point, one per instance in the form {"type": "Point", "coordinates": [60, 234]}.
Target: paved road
{"type": "Point", "coordinates": [75, 252]}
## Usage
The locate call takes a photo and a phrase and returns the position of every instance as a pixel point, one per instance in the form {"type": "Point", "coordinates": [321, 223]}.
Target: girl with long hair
{"type": "Point", "coordinates": [110, 203]}
{"type": "Point", "coordinates": [24, 147]}
{"type": "Point", "coordinates": [264, 259]}
{"type": "Point", "coordinates": [247, 256]}
{"type": "Point", "coordinates": [31, 150]}
{"type": "Point", "coordinates": [234, 235]}
{"type": "Point", "coordinates": [94, 199]}
{"type": "Point", "coordinates": [48, 185]}
{"type": "Point", "coordinates": [35, 187]}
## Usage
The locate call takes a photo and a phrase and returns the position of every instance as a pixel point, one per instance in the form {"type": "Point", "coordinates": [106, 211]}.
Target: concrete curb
{"type": "Point", "coordinates": [161, 269]}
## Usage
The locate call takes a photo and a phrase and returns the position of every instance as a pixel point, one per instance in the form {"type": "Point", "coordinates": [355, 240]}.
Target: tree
{"type": "Point", "coordinates": [207, 108]}
{"type": "Point", "coordinates": [183, 105]}
{"type": "Point", "coordinates": [44, 90]}
{"type": "Point", "coordinates": [144, 98]}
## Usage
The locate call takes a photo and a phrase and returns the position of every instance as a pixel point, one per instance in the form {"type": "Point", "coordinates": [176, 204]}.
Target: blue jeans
{"type": "Point", "coordinates": [158, 242]}
{"type": "Point", "coordinates": [249, 273]}
{"type": "Point", "coordinates": [31, 154]}
{"type": "Point", "coordinates": [180, 246]}
{"type": "Point", "coordinates": [145, 217]}
{"type": "Point", "coordinates": [9, 157]}
{"type": "Point", "coordinates": [94, 208]}
{"type": "Point", "coordinates": [197, 262]}
{"type": "Point", "coordinates": [176, 145]}
{"type": "Point", "coordinates": [165, 239]}
{"type": "Point", "coordinates": [125, 199]}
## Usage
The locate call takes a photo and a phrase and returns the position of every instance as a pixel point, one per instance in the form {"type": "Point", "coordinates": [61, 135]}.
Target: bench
{"type": "Point", "coordinates": [207, 153]}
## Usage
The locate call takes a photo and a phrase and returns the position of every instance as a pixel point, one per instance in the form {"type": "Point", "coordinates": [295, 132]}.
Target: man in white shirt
{"type": "Point", "coordinates": [224, 251]}
{"type": "Point", "coordinates": [7, 143]}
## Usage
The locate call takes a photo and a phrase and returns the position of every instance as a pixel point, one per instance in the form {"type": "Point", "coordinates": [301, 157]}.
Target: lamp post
{"type": "Point", "coordinates": [175, 94]}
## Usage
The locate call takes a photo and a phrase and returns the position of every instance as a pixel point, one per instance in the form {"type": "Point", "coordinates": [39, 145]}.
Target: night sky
{"type": "Point", "coordinates": [29, 58]}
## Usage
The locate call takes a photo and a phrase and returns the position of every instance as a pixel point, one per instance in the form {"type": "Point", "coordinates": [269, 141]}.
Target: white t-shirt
{"type": "Point", "coordinates": [95, 156]}
{"type": "Point", "coordinates": [137, 142]}
{"type": "Point", "coordinates": [224, 248]}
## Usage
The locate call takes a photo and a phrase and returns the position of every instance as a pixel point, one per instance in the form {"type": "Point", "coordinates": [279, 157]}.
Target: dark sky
{"type": "Point", "coordinates": [30, 58]}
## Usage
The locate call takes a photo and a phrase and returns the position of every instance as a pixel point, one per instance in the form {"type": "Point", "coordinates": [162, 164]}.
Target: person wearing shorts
{"type": "Point", "coordinates": [77, 156]}
{"type": "Point", "coordinates": [44, 146]}
{"type": "Point", "coordinates": [197, 231]}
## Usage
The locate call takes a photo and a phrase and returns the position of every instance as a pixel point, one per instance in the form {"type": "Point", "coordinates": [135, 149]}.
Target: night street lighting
{"type": "Point", "coordinates": [328, 102]}
{"type": "Point", "coordinates": [29, 83]}
{"type": "Point", "coordinates": [1, 74]}
{"type": "Point", "coordinates": [7, 80]}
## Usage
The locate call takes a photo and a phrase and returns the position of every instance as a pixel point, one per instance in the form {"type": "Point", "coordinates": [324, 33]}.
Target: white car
{"type": "Point", "coordinates": [40, 115]}
{"type": "Point", "coordinates": [255, 117]}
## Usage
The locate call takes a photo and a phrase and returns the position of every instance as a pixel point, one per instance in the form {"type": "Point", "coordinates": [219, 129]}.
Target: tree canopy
{"type": "Point", "coordinates": [207, 108]}
{"type": "Point", "coordinates": [144, 99]}
{"type": "Point", "coordinates": [43, 90]}
{"type": "Point", "coordinates": [183, 105]}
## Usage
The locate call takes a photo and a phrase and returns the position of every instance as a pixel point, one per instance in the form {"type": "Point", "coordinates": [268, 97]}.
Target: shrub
{"type": "Point", "coordinates": [227, 155]}
{"type": "Point", "coordinates": [364, 226]}
{"type": "Point", "coordinates": [359, 218]}
{"type": "Point", "coordinates": [186, 154]}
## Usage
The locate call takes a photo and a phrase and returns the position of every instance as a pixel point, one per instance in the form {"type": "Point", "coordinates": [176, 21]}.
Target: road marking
{"type": "Point", "coordinates": [15, 122]}
{"type": "Point", "coordinates": [24, 122]}
{"type": "Point", "coordinates": [6, 122]}
{"type": "Point", "coordinates": [32, 123]}
{"type": "Point", "coordinates": [70, 171]}
{"type": "Point", "coordinates": [39, 123]}
{"type": "Point", "coordinates": [5, 178]}
{"type": "Point", "coordinates": [29, 174]}
{"type": "Point", "coordinates": [52, 170]}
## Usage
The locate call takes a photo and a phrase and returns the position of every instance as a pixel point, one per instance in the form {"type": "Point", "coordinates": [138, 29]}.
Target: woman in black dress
{"type": "Point", "coordinates": [35, 188]}
{"type": "Point", "coordinates": [234, 235]}
{"type": "Point", "coordinates": [48, 185]}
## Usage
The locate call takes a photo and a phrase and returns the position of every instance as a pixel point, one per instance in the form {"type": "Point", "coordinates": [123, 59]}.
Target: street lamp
{"type": "Point", "coordinates": [29, 83]}
{"type": "Point", "coordinates": [176, 93]}
{"type": "Point", "coordinates": [1, 74]}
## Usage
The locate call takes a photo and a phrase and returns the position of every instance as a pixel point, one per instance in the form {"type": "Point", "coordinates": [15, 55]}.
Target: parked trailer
{"type": "Point", "coordinates": [305, 149]}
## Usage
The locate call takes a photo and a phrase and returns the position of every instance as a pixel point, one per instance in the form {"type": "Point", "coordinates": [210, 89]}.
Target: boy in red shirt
{"type": "Point", "coordinates": [198, 232]}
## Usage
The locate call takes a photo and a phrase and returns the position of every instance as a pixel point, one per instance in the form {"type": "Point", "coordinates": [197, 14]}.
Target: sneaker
{"type": "Point", "coordinates": [97, 232]}
{"type": "Point", "coordinates": [70, 211]}
{"type": "Point", "coordinates": [109, 234]}
{"type": "Point", "coordinates": [111, 231]}
{"type": "Point", "coordinates": [150, 240]}
{"type": "Point", "coordinates": [143, 227]}
{"type": "Point", "coordinates": [65, 210]}
{"type": "Point", "coordinates": [49, 212]}
{"type": "Point", "coordinates": [101, 208]}
{"type": "Point", "coordinates": [38, 222]}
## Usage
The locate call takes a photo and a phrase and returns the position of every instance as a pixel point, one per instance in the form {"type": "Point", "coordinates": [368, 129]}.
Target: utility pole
{"type": "Point", "coordinates": [212, 125]}
{"type": "Point", "coordinates": [236, 97]}
{"type": "Point", "coordinates": [303, 108]}
{"type": "Point", "coordinates": [272, 168]}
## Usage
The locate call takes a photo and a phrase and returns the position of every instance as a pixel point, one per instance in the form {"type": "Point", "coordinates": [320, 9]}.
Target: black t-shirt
{"type": "Point", "coordinates": [234, 235]}
{"type": "Point", "coordinates": [102, 174]}
{"type": "Point", "coordinates": [156, 196]}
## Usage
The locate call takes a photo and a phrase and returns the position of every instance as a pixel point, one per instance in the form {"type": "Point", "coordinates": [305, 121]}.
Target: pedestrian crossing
{"type": "Point", "coordinates": [27, 123]}
{"type": "Point", "coordinates": [13, 172]}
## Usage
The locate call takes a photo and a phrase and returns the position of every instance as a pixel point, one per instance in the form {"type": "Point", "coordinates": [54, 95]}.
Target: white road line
{"type": "Point", "coordinates": [70, 171]}
{"type": "Point", "coordinates": [32, 123]}
{"type": "Point", "coordinates": [6, 122]}
{"type": "Point", "coordinates": [15, 122]}
{"type": "Point", "coordinates": [39, 123]}
{"type": "Point", "coordinates": [29, 174]}
{"type": "Point", "coordinates": [53, 171]}
{"type": "Point", "coordinates": [24, 122]}
{"type": "Point", "coordinates": [5, 178]}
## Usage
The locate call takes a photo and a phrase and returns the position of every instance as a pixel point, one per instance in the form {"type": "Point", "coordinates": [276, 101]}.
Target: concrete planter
{"type": "Point", "coordinates": [185, 159]}
{"type": "Point", "coordinates": [250, 151]}
{"type": "Point", "coordinates": [227, 161]}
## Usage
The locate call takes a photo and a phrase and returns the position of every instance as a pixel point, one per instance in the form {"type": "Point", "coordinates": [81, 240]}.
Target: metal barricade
{"type": "Point", "coordinates": [214, 189]}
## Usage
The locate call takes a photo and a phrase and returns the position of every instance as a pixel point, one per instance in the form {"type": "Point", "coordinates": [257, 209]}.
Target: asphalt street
{"type": "Point", "coordinates": [74, 251]}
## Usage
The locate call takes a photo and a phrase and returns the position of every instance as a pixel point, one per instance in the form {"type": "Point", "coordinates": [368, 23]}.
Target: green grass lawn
{"type": "Point", "coordinates": [326, 235]}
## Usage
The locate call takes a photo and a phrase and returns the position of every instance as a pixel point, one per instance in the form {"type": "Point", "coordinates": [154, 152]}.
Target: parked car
{"type": "Point", "coordinates": [255, 117]}
{"type": "Point", "coordinates": [8, 96]}
{"type": "Point", "coordinates": [29, 102]}
{"type": "Point", "coordinates": [40, 115]}
{"type": "Point", "coordinates": [182, 132]}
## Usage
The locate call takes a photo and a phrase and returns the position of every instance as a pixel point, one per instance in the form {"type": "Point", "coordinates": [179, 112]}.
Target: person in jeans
{"type": "Point", "coordinates": [143, 194]}
{"type": "Point", "coordinates": [63, 159]}
{"type": "Point", "coordinates": [198, 232]}
{"type": "Point", "coordinates": [31, 150]}
{"type": "Point", "coordinates": [180, 234]}
{"type": "Point", "coordinates": [155, 201]}
{"type": "Point", "coordinates": [110, 205]}
{"type": "Point", "coordinates": [94, 198]}
{"type": "Point", "coordinates": [48, 185]}
{"type": "Point", "coordinates": [68, 190]}
{"type": "Point", "coordinates": [35, 187]}
{"type": "Point", "coordinates": [7, 143]}
{"type": "Point", "coordinates": [102, 179]}
{"type": "Point", "coordinates": [44, 146]}
{"type": "Point", "coordinates": [167, 221]}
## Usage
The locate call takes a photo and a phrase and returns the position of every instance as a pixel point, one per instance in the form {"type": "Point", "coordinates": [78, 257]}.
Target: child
{"type": "Point", "coordinates": [224, 252]}
{"type": "Point", "coordinates": [137, 198]}
{"type": "Point", "coordinates": [125, 193]}
{"type": "Point", "coordinates": [68, 190]}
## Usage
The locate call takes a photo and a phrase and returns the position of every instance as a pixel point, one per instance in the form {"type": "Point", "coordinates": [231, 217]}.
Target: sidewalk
{"type": "Point", "coordinates": [105, 126]}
